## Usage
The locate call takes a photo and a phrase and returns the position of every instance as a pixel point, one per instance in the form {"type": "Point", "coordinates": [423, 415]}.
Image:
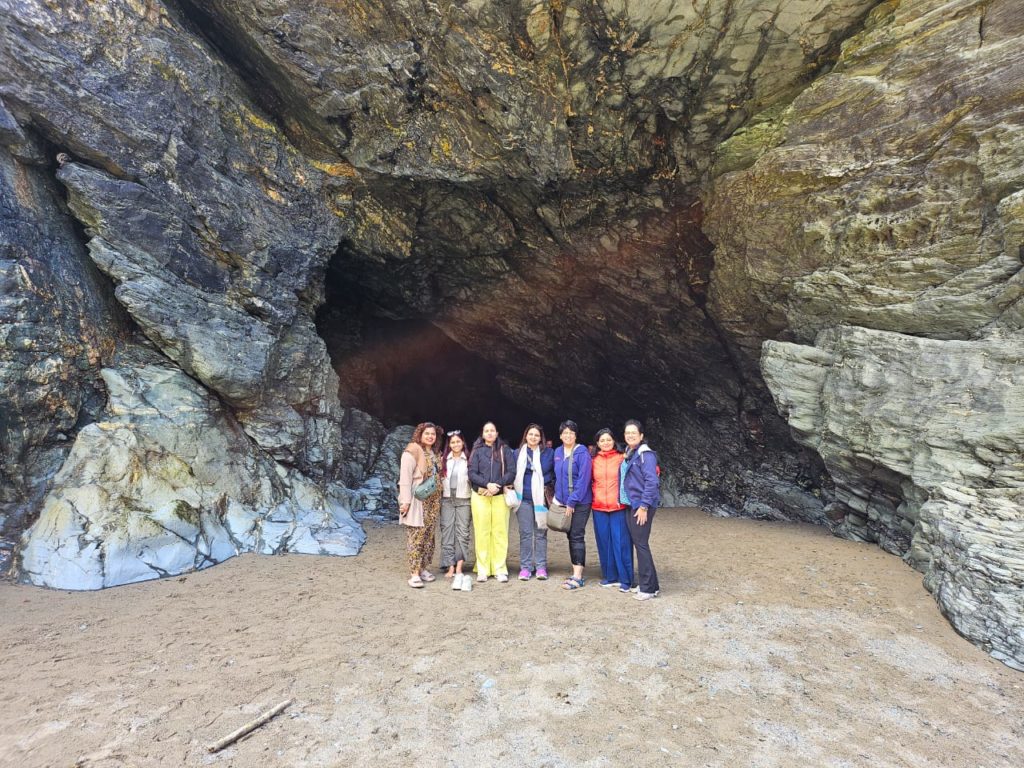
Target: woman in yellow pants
{"type": "Point", "coordinates": [491, 470]}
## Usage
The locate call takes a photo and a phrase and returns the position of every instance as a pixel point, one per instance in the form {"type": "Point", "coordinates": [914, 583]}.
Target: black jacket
{"type": "Point", "coordinates": [485, 464]}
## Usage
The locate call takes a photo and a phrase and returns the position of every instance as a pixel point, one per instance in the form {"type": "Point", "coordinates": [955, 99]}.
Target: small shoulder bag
{"type": "Point", "coordinates": [559, 518]}
{"type": "Point", "coordinates": [428, 487]}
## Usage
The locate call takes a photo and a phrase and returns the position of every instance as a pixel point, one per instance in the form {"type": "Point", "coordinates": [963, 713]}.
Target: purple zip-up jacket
{"type": "Point", "coordinates": [641, 482]}
{"type": "Point", "coordinates": [582, 492]}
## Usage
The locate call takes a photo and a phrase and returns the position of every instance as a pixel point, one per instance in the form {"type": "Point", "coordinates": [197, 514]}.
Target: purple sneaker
{"type": "Point", "coordinates": [524, 574]}
{"type": "Point", "coordinates": [542, 574]}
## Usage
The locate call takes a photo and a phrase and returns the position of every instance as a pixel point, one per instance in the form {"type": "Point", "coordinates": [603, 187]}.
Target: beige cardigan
{"type": "Point", "coordinates": [412, 470]}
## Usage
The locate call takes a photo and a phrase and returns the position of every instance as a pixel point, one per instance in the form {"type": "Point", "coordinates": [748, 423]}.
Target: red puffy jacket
{"type": "Point", "coordinates": [606, 481]}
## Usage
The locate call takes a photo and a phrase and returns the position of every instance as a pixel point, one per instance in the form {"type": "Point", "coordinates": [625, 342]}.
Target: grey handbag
{"type": "Point", "coordinates": [558, 518]}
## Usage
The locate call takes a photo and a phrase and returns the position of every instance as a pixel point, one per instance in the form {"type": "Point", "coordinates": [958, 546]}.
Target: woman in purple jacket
{"type": "Point", "coordinates": [572, 460]}
{"type": "Point", "coordinates": [642, 487]}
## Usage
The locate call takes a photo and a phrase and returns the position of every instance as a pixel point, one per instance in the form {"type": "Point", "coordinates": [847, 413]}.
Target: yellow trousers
{"type": "Point", "coordinates": [490, 533]}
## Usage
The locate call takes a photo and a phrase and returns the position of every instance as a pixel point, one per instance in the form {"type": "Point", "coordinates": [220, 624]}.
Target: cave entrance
{"type": "Point", "coordinates": [406, 370]}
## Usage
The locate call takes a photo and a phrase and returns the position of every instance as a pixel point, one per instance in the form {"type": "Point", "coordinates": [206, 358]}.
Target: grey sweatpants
{"type": "Point", "coordinates": [455, 517]}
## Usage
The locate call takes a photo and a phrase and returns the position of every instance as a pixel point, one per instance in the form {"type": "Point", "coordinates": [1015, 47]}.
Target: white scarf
{"type": "Point", "coordinates": [540, 511]}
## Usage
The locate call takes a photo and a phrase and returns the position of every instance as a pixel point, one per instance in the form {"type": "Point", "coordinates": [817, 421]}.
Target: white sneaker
{"type": "Point", "coordinates": [457, 581]}
{"type": "Point", "coordinates": [481, 578]}
{"type": "Point", "coordinates": [646, 595]}
{"type": "Point", "coordinates": [503, 578]}
{"type": "Point", "coordinates": [467, 583]}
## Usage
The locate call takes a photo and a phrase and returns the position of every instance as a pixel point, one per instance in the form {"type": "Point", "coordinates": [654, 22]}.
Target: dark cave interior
{"type": "Point", "coordinates": [407, 370]}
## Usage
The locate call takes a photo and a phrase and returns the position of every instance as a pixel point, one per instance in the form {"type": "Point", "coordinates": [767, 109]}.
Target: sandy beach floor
{"type": "Point", "coordinates": [771, 645]}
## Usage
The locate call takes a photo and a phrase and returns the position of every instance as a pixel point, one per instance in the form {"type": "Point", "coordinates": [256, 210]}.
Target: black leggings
{"type": "Point", "coordinates": [646, 574]}
{"type": "Point", "coordinates": [578, 533]}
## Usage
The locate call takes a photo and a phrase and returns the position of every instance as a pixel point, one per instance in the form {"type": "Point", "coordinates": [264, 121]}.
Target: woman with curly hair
{"type": "Point", "coordinates": [420, 471]}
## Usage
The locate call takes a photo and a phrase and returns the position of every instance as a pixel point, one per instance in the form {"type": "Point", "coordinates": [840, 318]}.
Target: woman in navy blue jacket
{"type": "Point", "coordinates": [577, 498]}
{"type": "Point", "coordinates": [491, 470]}
{"type": "Point", "coordinates": [534, 472]}
{"type": "Point", "coordinates": [642, 487]}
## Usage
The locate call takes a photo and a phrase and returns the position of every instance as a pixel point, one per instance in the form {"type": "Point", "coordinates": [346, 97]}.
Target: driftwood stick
{"type": "Point", "coordinates": [249, 727]}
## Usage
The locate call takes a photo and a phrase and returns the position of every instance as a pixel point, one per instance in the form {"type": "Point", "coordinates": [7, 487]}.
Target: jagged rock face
{"type": "Point", "coordinates": [215, 232]}
{"type": "Point", "coordinates": [537, 91]}
{"type": "Point", "coordinates": [196, 206]}
{"type": "Point", "coordinates": [613, 204]}
{"type": "Point", "coordinates": [925, 441]}
{"type": "Point", "coordinates": [168, 483]}
{"type": "Point", "coordinates": [888, 196]}
{"type": "Point", "coordinates": [58, 323]}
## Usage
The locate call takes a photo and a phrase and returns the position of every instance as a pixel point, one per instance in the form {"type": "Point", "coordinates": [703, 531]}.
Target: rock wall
{"type": "Point", "coordinates": [925, 441]}
{"type": "Point", "coordinates": [617, 205]}
{"type": "Point", "coordinates": [877, 222]}
{"type": "Point", "coordinates": [214, 232]}
{"type": "Point", "coordinates": [887, 194]}
{"type": "Point", "coordinates": [58, 324]}
{"type": "Point", "coordinates": [212, 225]}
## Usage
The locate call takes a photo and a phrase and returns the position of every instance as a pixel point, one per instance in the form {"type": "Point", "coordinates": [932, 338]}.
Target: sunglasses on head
{"type": "Point", "coordinates": [454, 432]}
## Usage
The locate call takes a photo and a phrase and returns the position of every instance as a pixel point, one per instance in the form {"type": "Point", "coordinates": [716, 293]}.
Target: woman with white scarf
{"type": "Point", "coordinates": [535, 469]}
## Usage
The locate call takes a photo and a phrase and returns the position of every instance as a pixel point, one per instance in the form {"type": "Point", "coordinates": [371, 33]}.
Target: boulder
{"type": "Point", "coordinates": [168, 483]}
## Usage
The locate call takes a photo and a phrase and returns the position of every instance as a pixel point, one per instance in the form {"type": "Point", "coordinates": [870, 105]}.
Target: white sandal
{"type": "Point", "coordinates": [415, 582]}
{"type": "Point", "coordinates": [427, 576]}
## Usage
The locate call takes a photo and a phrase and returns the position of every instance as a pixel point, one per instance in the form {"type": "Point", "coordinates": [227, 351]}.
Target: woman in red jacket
{"type": "Point", "coordinates": [614, 546]}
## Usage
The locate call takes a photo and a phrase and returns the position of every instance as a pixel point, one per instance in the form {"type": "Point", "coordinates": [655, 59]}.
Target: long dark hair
{"type": "Point", "coordinates": [448, 448]}
{"type": "Point", "coordinates": [540, 429]}
{"type": "Point", "coordinates": [448, 442]}
{"type": "Point", "coordinates": [601, 433]}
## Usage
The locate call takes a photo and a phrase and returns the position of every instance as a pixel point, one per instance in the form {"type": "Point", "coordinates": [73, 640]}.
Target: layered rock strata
{"type": "Point", "coordinates": [924, 439]}
{"type": "Point", "coordinates": [213, 227]}
{"type": "Point", "coordinates": [614, 204]}
{"type": "Point", "coordinates": [877, 221]}
{"type": "Point", "coordinates": [58, 324]}
{"type": "Point", "coordinates": [215, 233]}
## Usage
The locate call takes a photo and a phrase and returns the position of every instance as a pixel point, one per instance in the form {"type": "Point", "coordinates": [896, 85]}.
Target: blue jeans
{"type": "Point", "coordinates": [533, 541]}
{"type": "Point", "coordinates": [614, 546]}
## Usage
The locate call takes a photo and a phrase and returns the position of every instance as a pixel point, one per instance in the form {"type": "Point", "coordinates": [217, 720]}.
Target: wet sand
{"type": "Point", "coordinates": [772, 645]}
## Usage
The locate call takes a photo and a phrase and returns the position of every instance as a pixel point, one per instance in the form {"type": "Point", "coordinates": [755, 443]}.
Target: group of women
{"type": "Point", "coordinates": [453, 485]}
